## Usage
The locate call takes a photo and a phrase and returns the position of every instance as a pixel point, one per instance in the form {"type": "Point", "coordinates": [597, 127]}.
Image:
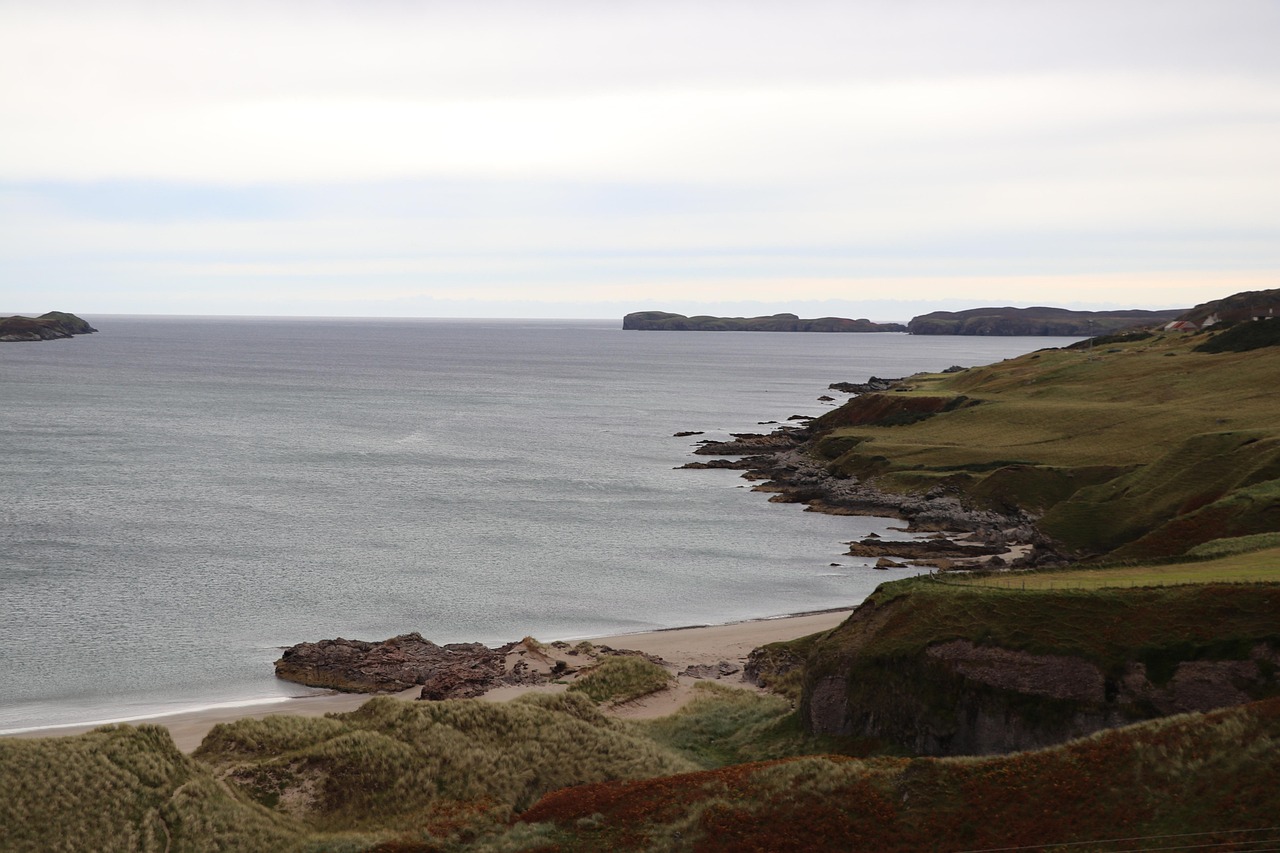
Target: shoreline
{"type": "Point", "coordinates": [680, 647]}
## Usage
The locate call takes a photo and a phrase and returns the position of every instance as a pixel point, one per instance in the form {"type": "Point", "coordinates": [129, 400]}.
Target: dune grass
{"type": "Point", "coordinates": [121, 788]}
{"type": "Point", "coordinates": [621, 678]}
{"type": "Point", "coordinates": [431, 769]}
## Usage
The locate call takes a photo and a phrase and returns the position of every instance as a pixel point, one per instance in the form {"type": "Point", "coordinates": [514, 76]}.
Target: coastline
{"type": "Point", "coordinates": [680, 647]}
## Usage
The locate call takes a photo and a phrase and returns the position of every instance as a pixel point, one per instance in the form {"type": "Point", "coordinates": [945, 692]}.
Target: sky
{"type": "Point", "coordinates": [557, 158]}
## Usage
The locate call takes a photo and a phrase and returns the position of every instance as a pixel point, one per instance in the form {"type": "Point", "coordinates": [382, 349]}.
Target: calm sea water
{"type": "Point", "coordinates": [184, 497]}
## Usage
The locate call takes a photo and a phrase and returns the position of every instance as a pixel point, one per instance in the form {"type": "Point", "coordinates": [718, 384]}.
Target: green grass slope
{"type": "Point", "coordinates": [1141, 446]}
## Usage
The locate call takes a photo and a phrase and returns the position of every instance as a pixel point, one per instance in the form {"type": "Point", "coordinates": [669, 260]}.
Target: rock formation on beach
{"type": "Point", "coordinates": [451, 671]}
{"type": "Point", "coordinates": [46, 327]}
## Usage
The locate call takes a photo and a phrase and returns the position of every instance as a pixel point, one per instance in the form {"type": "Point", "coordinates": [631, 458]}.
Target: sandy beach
{"type": "Point", "coordinates": [680, 647]}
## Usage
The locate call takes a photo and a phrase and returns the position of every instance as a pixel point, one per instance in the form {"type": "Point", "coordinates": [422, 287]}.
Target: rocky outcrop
{"type": "Point", "coordinates": [46, 327]}
{"type": "Point", "coordinates": [664, 321]}
{"type": "Point", "coordinates": [875, 383]}
{"type": "Point", "coordinates": [896, 672]}
{"type": "Point", "coordinates": [722, 669]}
{"type": "Point", "coordinates": [745, 443]}
{"type": "Point", "coordinates": [796, 477]}
{"type": "Point", "coordinates": [402, 662]}
{"type": "Point", "coordinates": [745, 463]}
{"type": "Point", "coordinates": [451, 671]}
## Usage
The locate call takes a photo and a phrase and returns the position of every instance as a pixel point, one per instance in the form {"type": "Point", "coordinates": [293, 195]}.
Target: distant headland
{"type": "Point", "coordinates": [1036, 321]}
{"type": "Point", "coordinates": [46, 327]}
{"type": "Point", "coordinates": [664, 321]}
{"type": "Point", "coordinates": [974, 321]}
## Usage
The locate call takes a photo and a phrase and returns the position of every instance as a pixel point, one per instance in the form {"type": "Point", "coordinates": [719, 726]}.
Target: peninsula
{"type": "Point", "coordinates": [46, 327]}
{"type": "Point", "coordinates": [663, 321]}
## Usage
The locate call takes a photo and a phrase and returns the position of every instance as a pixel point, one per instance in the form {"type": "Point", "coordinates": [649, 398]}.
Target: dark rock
{"type": "Point", "coordinates": [746, 463]}
{"type": "Point", "coordinates": [886, 563]}
{"type": "Point", "coordinates": [707, 670]}
{"type": "Point", "coordinates": [875, 383]}
{"type": "Point", "coordinates": [744, 443]}
{"type": "Point", "coordinates": [357, 666]}
{"type": "Point", "coordinates": [687, 432]}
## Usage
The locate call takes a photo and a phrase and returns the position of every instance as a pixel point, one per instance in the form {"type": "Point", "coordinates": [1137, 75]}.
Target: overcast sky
{"type": "Point", "coordinates": [584, 159]}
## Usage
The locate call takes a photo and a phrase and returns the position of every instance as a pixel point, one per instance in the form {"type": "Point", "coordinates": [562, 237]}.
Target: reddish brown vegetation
{"type": "Point", "coordinates": [1215, 773]}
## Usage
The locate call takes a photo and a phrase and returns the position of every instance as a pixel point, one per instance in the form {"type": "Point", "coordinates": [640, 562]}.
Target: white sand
{"type": "Point", "coordinates": [680, 647]}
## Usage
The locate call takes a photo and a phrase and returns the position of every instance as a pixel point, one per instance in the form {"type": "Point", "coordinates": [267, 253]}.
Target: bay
{"type": "Point", "coordinates": [182, 497]}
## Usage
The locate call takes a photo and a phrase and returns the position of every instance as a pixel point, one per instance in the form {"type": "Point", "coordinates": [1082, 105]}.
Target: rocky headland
{"type": "Point", "coordinates": [46, 327]}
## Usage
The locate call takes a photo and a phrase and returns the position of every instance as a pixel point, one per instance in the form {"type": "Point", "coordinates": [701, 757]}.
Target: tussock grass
{"type": "Point", "coordinates": [621, 678]}
{"type": "Point", "coordinates": [396, 765]}
{"type": "Point", "coordinates": [121, 788]}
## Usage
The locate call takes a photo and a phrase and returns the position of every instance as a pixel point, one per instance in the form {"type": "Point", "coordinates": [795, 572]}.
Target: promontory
{"type": "Point", "coordinates": [46, 327]}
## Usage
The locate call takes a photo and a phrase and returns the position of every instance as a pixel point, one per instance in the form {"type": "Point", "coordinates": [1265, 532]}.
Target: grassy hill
{"type": "Point", "coordinates": [1138, 447]}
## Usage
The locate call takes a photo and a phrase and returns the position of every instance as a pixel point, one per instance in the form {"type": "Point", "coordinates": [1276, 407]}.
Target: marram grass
{"type": "Point", "coordinates": [621, 678]}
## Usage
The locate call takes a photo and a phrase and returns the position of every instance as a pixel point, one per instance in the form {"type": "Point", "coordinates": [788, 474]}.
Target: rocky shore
{"type": "Point", "coordinates": [780, 464]}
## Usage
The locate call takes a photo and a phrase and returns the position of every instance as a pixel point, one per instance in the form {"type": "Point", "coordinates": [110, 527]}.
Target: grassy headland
{"type": "Point", "coordinates": [1141, 447]}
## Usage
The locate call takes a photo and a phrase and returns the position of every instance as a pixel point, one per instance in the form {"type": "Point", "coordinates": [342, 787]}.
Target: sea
{"type": "Point", "coordinates": [184, 497]}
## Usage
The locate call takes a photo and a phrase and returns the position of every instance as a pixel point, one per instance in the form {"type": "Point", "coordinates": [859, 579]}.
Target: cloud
{"type": "Point", "coordinates": [437, 146]}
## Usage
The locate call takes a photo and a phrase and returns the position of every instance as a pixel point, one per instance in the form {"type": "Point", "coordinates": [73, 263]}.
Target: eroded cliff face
{"type": "Point", "coordinates": [961, 696]}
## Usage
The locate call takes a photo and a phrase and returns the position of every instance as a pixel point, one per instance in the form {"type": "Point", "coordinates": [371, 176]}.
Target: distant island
{"type": "Point", "coordinates": [1036, 321]}
{"type": "Point", "coordinates": [664, 321]}
{"type": "Point", "coordinates": [973, 321]}
{"type": "Point", "coordinates": [46, 327]}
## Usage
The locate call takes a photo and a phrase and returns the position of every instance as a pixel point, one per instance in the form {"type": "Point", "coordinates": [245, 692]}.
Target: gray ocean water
{"type": "Point", "coordinates": [182, 497]}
